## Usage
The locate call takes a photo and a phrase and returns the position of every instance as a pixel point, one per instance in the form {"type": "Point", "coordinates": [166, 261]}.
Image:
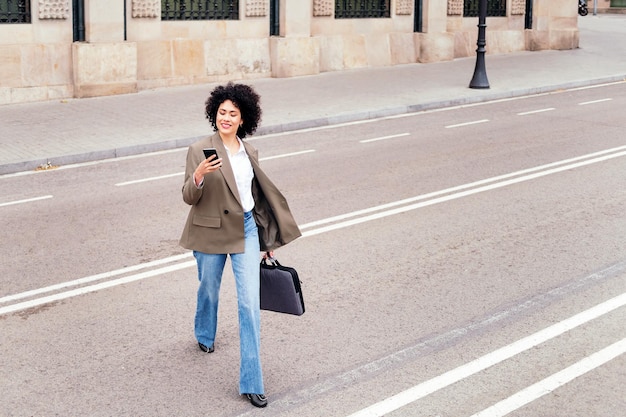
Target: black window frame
{"type": "Point", "coordinates": [15, 11]}
{"type": "Point", "coordinates": [495, 8]}
{"type": "Point", "coordinates": [199, 10]}
{"type": "Point", "coordinates": [362, 9]}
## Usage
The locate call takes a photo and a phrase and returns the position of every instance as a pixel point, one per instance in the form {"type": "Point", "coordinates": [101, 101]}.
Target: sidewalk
{"type": "Point", "coordinates": [80, 130]}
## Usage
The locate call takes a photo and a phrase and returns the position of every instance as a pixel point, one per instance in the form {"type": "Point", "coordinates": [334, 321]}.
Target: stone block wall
{"type": "Point", "coordinates": [36, 58]}
{"type": "Point", "coordinates": [39, 61]}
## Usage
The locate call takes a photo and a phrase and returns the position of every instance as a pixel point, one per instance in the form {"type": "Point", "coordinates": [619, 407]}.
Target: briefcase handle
{"type": "Point", "coordinates": [273, 261]}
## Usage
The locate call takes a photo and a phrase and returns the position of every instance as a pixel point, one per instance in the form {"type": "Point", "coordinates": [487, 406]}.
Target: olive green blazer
{"type": "Point", "coordinates": [215, 220]}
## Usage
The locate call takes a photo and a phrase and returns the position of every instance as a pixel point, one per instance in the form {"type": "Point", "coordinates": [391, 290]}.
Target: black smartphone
{"type": "Point", "coordinates": [210, 151]}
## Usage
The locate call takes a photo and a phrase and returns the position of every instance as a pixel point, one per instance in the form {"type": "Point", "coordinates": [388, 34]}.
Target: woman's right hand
{"type": "Point", "coordinates": [207, 166]}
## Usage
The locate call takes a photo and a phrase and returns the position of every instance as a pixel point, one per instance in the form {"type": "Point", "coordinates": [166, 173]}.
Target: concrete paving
{"type": "Point", "coordinates": [80, 130]}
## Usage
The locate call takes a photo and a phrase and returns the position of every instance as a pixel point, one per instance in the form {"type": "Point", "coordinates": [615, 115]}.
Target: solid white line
{"type": "Point", "coordinates": [594, 101]}
{"type": "Point", "coordinates": [384, 138]}
{"type": "Point", "coordinates": [459, 195]}
{"type": "Point", "coordinates": [93, 278]}
{"type": "Point", "coordinates": [535, 111]}
{"type": "Point", "coordinates": [455, 375]}
{"type": "Point", "coordinates": [110, 274]}
{"type": "Point", "coordinates": [160, 177]}
{"type": "Point", "coordinates": [467, 123]}
{"type": "Point", "coordinates": [555, 381]}
{"type": "Point", "coordinates": [28, 200]}
{"type": "Point", "coordinates": [91, 163]}
{"type": "Point", "coordinates": [588, 87]}
{"type": "Point", "coordinates": [441, 340]}
{"type": "Point", "coordinates": [456, 188]}
{"type": "Point", "coordinates": [91, 288]}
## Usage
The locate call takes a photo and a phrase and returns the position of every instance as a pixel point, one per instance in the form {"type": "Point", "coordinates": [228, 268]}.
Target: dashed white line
{"type": "Point", "coordinates": [180, 174]}
{"type": "Point", "coordinates": [584, 103]}
{"type": "Point", "coordinates": [160, 177]}
{"type": "Point", "coordinates": [27, 200]}
{"type": "Point", "coordinates": [535, 111]}
{"type": "Point", "coordinates": [384, 138]}
{"type": "Point", "coordinates": [475, 122]}
{"type": "Point", "coordinates": [268, 158]}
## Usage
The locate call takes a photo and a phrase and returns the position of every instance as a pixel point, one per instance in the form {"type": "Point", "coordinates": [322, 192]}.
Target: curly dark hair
{"type": "Point", "coordinates": [244, 98]}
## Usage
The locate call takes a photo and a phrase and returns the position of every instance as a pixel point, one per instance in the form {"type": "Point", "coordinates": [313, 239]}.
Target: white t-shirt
{"type": "Point", "coordinates": [242, 168]}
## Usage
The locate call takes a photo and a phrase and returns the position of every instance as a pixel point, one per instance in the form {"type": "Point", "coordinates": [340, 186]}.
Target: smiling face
{"type": "Point", "coordinates": [228, 118]}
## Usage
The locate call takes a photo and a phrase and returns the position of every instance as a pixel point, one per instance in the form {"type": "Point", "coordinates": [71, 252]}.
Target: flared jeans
{"type": "Point", "coordinates": [246, 270]}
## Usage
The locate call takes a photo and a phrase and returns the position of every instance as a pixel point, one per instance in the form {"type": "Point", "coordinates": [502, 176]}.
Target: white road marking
{"type": "Point", "coordinates": [455, 196]}
{"type": "Point", "coordinates": [177, 174]}
{"type": "Point", "coordinates": [92, 288]}
{"type": "Point", "coordinates": [268, 158]}
{"type": "Point", "coordinates": [437, 110]}
{"type": "Point", "coordinates": [457, 188]}
{"type": "Point", "coordinates": [440, 341]}
{"type": "Point", "coordinates": [313, 129]}
{"type": "Point", "coordinates": [27, 200]}
{"type": "Point", "coordinates": [91, 163]}
{"type": "Point", "coordinates": [535, 111]}
{"type": "Point", "coordinates": [555, 381]}
{"type": "Point", "coordinates": [475, 122]}
{"type": "Point", "coordinates": [160, 177]}
{"type": "Point", "coordinates": [543, 171]}
{"type": "Point", "coordinates": [594, 101]}
{"type": "Point", "coordinates": [588, 87]}
{"type": "Point", "coordinates": [480, 364]}
{"type": "Point", "coordinates": [384, 138]}
{"type": "Point", "coordinates": [93, 278]}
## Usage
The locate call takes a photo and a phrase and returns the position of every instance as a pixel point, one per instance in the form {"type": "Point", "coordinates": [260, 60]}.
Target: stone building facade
{"type": "Point", "coordinates": [127, 47]}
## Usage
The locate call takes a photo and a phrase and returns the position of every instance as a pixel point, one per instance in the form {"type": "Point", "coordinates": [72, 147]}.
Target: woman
{"type": "Point", "coordinates": [236, 210]}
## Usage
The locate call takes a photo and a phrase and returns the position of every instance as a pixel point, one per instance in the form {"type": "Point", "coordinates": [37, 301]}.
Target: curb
{"type": "Point", "coordinates": [17, 167]}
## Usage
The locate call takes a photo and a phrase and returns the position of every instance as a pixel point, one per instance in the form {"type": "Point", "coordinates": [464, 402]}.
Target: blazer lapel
{"type": "Point", "coordinates": [226, 169]}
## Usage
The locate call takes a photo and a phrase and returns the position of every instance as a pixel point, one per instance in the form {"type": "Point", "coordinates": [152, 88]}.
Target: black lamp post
{"type": "Point", "coordinates": [479, 80]}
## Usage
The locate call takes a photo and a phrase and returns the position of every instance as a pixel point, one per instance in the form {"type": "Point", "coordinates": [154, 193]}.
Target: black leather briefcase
{"type": "Point", "coordinates": [280, 288]}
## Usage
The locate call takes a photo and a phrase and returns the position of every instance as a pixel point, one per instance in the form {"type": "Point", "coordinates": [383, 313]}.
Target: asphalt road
{"type": "Point", "coordinates": [451, 260]}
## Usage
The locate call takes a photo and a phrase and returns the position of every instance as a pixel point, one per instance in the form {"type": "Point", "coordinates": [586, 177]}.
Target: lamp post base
{"type": "Point", "coordinates": [479, 80]}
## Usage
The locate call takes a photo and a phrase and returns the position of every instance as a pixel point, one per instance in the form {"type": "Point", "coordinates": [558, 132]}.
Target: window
{"type": "Point", "coordinates": [356, 9]}
{"type": "Point", "coordinates": [199, 9]}
{"type": "Point", "coordinates": [14, 11]}
{"type": "Point", "coordinates": [494, 8]}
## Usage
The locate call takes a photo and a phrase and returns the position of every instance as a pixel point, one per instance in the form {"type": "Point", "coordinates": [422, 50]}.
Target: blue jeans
{"type": "Point", "coordinates": [246, 271]}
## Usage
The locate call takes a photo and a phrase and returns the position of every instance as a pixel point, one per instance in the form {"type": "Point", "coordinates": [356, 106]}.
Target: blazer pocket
{"type": "Point", "coordinates": [204, 221]}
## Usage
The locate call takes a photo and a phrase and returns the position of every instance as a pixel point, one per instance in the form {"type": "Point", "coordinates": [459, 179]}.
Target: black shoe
{"type": "Point", "coordinates": [203, 348]}
{"type": "Point", "coordinates": [257, 400]}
